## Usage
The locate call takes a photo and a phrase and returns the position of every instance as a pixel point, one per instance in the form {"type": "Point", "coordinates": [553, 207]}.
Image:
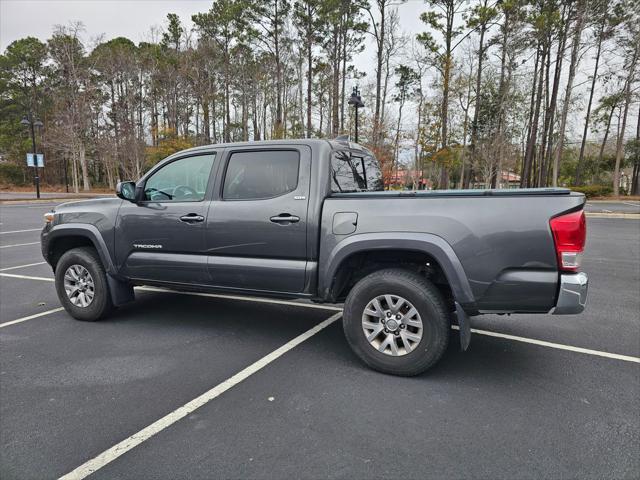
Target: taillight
{"type": "Point", "coordinates": [570, 234]}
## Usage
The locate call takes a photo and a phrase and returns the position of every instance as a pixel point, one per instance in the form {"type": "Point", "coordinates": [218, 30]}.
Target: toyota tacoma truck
{"type": "Point", "coordinates": [309, 219]}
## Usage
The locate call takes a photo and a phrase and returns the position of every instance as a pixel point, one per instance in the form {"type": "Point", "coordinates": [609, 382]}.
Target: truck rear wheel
{"type": "Point", "coordinates": [397, 322]}
{"type": "Point", "coordinates": [81, 284]}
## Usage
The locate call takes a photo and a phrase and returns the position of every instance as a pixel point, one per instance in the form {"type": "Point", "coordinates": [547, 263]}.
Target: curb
{"type": "Point", "coordinates": [628, 216]}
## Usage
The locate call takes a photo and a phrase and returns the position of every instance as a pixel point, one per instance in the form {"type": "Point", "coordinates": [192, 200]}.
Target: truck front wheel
{"type": "Point", "coordinates": [81, 284]}
{"type": "Point", "coordinates": [396, 321]}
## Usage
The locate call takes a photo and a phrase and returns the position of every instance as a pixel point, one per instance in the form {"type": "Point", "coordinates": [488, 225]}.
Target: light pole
{"type": "Point", "coordinates": [32, 123]}
{"type": "Point", "coordinates": [357, 103]}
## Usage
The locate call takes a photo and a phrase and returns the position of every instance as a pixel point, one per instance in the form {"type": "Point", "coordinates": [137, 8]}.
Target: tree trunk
{"type": "Point", "coordinates": [635, 176]}
{"type": "Point", "coordinates": [476, 111]}
{"type": "Point", "coordinates": [86, 186]}
{"type": "Point", "coordinates": [631, 68]}
{"type": "Point", "coordinates": [577, 179]}
{"type": "Point", "coordinates": [276, 40]}
{"type": "Point", "coordinates": [551, 109]}
{"type": "Point", "coordinates": [525, 180]}
{"type": "Point", "coordinates": [344, 74]}
{"type": "Point", "coordinates": [309, 67]}
{"type": "Point", "coordinates": [397, 139]}
{"type": "Point", "coordinates": [380, 45]}
{"type": "Point", "coordinates": [575, 48]}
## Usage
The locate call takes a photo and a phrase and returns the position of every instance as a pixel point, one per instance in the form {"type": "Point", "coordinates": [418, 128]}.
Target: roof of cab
{"type": "Point", "coordinates": [334, 144]}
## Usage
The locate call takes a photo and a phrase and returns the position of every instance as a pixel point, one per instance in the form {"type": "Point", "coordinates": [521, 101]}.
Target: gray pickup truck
{"type": "Point", "coordinates": [309, 219]}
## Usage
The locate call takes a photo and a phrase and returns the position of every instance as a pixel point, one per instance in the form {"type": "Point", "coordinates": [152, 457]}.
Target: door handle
{"type": "Point", "coordinates": [192, 218]}
{"type": "Point", "coordinates": [285, 218]}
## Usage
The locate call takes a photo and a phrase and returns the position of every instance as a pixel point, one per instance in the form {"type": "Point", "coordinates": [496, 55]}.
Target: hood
{"type": "Point", "coordinates": [94, 204]}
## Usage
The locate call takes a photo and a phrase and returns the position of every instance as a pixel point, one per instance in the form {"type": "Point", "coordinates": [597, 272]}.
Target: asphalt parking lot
{"type": "Point", "coordinates": [602, 206]}
{"type": "Point", "coordinates": [534, 397]}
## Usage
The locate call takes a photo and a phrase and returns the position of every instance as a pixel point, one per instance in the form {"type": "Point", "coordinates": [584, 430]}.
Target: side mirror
{"type": "Point", "coordinates": [126, 191]}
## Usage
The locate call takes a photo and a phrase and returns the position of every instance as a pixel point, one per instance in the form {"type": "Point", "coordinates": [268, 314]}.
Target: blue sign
{"type": "Point", "coordinates": [39, 157]}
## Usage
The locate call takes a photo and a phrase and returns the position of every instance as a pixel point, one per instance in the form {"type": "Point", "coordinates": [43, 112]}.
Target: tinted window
{"type": "Point", "coordinates": [263, 174]}
{"type": "Point", "coordinates": [355, 172]}
{"type": "Point", "coordinates": [184, 180]}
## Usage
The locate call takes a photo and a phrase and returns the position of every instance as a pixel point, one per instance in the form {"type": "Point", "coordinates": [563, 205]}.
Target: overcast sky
{"type": "Point", "coordinates": [133, 19]}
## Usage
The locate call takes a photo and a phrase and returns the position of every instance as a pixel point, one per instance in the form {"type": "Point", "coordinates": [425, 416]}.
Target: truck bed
{"type": "Point", "coordinates": [501, 238]}
{"type": "Point", "coordinates": [515, 192]}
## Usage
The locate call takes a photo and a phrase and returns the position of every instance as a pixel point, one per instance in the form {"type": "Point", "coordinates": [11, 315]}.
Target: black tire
{"type": "Point", "coordinates": [100, 305]}
{"type": "Point", "coordinates": [426, 299]}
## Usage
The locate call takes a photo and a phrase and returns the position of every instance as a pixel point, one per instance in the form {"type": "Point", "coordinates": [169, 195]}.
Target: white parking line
{"type": "Point", "coordinates": [632, 204]}
{"type": "Point", "coordinates": [197, 294]}
{"type": "Point", "coordinates": [27, 277]}
{"type": "Point", "coordinates": [30, 317]}
{"type": "Point", "coordinates": [19, 245]}
{"type": "Point", "coordinates": [21, 266]}
{"type": "Point", "coordinates": [21, 231]}
{"type": "Point", "coordinates": [136, 439]}
{"type": "Point", "coordinates": [532, 341]}
{"type": "Point", "coordinates": [559, 346]}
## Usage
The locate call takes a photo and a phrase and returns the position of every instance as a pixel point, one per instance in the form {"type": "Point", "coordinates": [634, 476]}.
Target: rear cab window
{"type": "Point", "coordinates": [355, 171]}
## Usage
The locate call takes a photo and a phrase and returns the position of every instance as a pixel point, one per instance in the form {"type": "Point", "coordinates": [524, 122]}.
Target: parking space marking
{"type": "Point", "coordinates": [197, 294]}
{"type": "Point", "coordinates": [21, 266]}
{"type": "Point", "coordinates": [136, 439]}
{"type": "Point", "coordinates": [19, 245]}
{"type": "Point", "coordinates": [21, 231]}
{"type": "Point", "coordinates": [632, 204]}
{"type": "Point", "coordinates": [31, 317]}
{"type": "Point", "coordinates": [27, 277]}
{"type": "Point", "coordinates": [532, 341]}
{"type": "Point", "coordinates": [558, 346]}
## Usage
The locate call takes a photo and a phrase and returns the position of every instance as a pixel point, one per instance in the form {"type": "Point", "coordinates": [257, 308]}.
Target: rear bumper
{"type": "Point", "coordinates": [572, 297]}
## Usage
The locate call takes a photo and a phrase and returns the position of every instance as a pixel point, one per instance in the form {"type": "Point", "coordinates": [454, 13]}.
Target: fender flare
{"type": "Point", "coordinates": [428, 243]}
{"type": "Point", "coordinates": [121, 291]}
{"type": "Point", "coordinates": [88, 231]}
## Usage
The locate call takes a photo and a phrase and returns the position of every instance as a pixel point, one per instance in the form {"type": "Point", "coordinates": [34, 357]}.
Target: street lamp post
{"type": "Point", "coordinates": [32, 123]}
{"type": "Point", "coordinates": [357, 103]}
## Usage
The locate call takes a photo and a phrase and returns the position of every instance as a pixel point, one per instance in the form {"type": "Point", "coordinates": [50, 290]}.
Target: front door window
{"type": "Point", "coordinates": [183, 180]}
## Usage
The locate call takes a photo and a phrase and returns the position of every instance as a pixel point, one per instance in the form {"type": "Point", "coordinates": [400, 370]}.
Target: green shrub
{"type": "Point", "coordinates": [591, 191]}
{"type": "Point", "coordinates": [11, 174]}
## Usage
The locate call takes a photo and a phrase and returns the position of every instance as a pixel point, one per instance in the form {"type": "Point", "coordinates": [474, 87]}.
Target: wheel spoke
{"type": "Point", "coordinates": [406, 343]}
{"type": "Point", "coordinates": [387, 341]}
{"type": "Point", "coordinates": [374, 313]}
{"type": "Point", "coordinates": [78, 271]}
{"type": "Point", "coordinates": [413, 323]}
{"type": "Point", "coordinates": [72, 290]}
{"type": "Point", "coordinates": [410, 336]}
{"type": "Point", "coordinates": [374, 333]}
{"type": "Point", "coordinates": [394, 346]}
{"type": "Point", "coordinates": [411, 313]}
{"type": "Point", "coordinates": [390, 303]}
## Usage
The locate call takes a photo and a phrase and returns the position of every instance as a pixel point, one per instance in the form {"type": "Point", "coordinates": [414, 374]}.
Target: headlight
{"type": "Point", "coordinates": [48, 217]}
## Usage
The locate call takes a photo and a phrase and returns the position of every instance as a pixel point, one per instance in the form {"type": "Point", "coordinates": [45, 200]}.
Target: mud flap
{"type": "Point", "coordinates": [121, 292]}
{"type": "Point", "coordinates": [464, 326]}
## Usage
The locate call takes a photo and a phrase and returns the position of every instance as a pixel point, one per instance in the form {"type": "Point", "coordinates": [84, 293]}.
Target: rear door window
{"type": "Point", "coordinates": [261, 174]}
